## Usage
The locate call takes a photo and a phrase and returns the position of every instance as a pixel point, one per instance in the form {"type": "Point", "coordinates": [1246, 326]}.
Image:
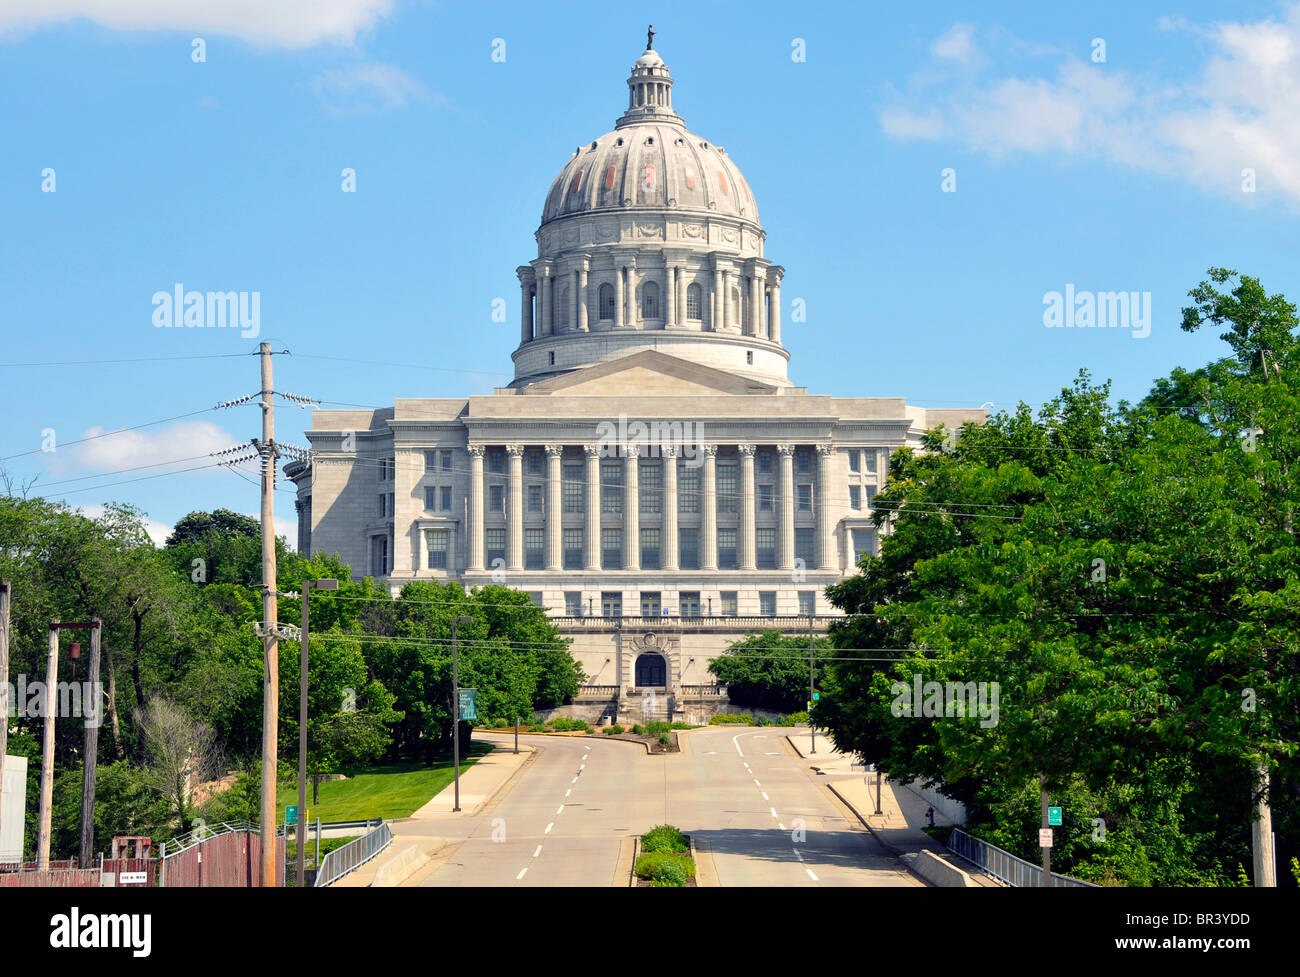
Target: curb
{"type": "Point", "coordinates": [404, 864]}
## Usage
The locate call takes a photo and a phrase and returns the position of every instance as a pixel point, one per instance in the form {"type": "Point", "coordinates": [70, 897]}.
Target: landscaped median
{"type": "Point", "coordinates": [656, 737]}
{"type": "Point", "coordinates": [664, 859]}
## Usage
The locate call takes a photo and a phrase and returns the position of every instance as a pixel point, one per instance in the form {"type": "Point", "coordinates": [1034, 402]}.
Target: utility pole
{"type": "Point", "coordinates": [4, 686]}
{"type": "Point", "coordinates": [47, 754]}
{"type": "Point", "coordinates": [1261, 832]}
{"type": "Point", "coordinates": [91, 758]}
{"type": "Point", "coordinates": [812, 729]}
{"type": "Point", "coordinates": [304, 645]}
{"type": "Point", "coordinates": [455, 702]}
{"type": "Point", "coordinates": [270, 639]}
{"type": "Point", "coordinates": [1044, 802]}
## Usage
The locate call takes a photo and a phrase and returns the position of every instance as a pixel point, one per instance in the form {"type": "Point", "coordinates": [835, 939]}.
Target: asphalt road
{"type": "Point", "coordinates": [742, 792]}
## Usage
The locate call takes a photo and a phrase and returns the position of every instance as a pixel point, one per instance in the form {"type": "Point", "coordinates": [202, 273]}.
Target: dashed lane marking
{"type": "Point", "coordinates": [521, 873]}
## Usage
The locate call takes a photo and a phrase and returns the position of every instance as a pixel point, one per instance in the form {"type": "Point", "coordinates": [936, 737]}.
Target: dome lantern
{"type": "Point", "coordinates": [650, 90]}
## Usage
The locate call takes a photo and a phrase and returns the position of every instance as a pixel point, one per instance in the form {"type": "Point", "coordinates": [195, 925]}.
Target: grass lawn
{"type": "Point", "coordinates": [390, 791]}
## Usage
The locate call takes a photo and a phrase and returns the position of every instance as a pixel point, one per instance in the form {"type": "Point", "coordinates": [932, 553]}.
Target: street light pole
{"type": "Point", "coordinates": [328, 583]}
{"type": "Point", "coordinates": [455, 702]}
{"type": "Point", "coordinates": [812, 729]}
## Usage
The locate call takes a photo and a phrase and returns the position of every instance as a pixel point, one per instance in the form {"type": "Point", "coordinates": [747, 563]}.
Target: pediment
{"type": "Point", "coordinates": [648, 373]}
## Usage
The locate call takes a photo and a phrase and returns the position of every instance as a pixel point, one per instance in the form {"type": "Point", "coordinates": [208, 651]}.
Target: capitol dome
{"type": "Point", "coordinates": [650, 234]}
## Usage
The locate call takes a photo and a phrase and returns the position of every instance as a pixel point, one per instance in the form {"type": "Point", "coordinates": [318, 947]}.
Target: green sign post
{"type": "Point", "coordinates": [291, 814]}
{"type": "Point", "coordinates": [469, 704]}
{"type": "Point", "coordinates": [1054, 817]}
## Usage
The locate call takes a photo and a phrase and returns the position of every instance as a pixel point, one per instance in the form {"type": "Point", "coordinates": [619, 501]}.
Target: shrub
{"type": "Point", "coordinates": [638, 730]}
{"type": "Point", "coordinates": [724, 718]}
{"type": "Point", "coordinates": [762, 721]}
{"type": "Point", "coordinates": [538, 728]}
{"type": "Point", "coordinates": [657, 728]}
{"type": "Point", "coordinates": [665, 739]}
{"type": "Point", "coordinates": [664, 837]}
{"type": "Point", "coordinates": [669, 875]}
{"type": "Point", "coordinates": [562, 724]}
{"type": "Point", "coordinates": [613, 730]}
{"type": "Point", "coordinates": [500, 723]}
{"type": "Point", "coordinates": [797, 719]}
{"type": "Point", "coordinates": [682, 726]}
{"type": "Point", "coordinates": [647, 865]}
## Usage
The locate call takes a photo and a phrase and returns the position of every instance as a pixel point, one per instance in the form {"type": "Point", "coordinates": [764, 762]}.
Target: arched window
{"type": "Point", "coordinates": [650, 301]}
{"type": "Point", "coordinates": [607, 301]}
{"type": "Point", "coordinates": [693, 301]}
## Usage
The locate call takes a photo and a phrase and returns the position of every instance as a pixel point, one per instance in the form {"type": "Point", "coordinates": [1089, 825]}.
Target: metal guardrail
{"type": "Point", "coordinates": [338, 863]}
{"type": "Point", "coordinates": [1007, 867]}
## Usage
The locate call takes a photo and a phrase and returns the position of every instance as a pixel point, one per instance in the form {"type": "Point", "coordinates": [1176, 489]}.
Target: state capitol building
{"type": "Point", "coordinates": [651, 476]}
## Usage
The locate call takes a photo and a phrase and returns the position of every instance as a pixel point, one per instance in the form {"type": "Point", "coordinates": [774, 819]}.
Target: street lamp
{"type": "Point", "coordinates": [327, 583]}
{"type": "Point", "coordinates": [455, 702]}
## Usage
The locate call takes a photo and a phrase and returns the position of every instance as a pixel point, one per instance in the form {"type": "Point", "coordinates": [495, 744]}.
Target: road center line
{"type": "Point", "coordinates": [778, 824]}
{"type": "Point", "coordinates": [521, 873]}
{"type": "Point", "coordinates": [548, 828]}
{"type": "Point", "coordinates": [568, 792]}
{"type": "Point", "coordinates": [538, 852]}
{"type": "Point", "coordinates": [811, 876]}
{"type": "Point", "coordinates": [773, 810]}
{"type": "Point", "coordinates": [796, 851]}
{"type": "Point", "coordinates": [764, 793]}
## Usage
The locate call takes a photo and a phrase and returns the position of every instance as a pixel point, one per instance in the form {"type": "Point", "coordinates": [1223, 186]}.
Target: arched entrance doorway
{"type": "Point", "coordinates": [651, 670]}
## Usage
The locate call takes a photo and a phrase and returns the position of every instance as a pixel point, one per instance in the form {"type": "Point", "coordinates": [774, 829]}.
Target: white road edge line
{"type": "Point", "coordinates": [811, 876]}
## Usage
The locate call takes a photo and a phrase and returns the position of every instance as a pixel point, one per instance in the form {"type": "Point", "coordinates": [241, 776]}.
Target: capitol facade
{"type": "Point", "coordinates": [651, 476]}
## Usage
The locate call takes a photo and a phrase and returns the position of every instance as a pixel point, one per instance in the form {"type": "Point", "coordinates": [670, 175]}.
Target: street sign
{"type": "Point", "coordinates": [469, 704]}
{"type": "Point", "coordinates": [817, 697]}
{"type": "Point", "coordinates": [1054, 816]}
{"type": "Point", "coordinates": [1044, 837]}
{"type": "Point", "coordinates": [291, 814]}
{"type": "Point", "coordinates": [133, 878]}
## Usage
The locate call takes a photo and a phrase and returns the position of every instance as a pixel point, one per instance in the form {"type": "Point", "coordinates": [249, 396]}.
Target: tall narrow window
{"type": "Point", "coordinates": [607, 301]}
{"type": "Point", "coordinates": [650, 301]}
{"type": "Point", "coordinates": [435, 546]}
{"type": "Point", "coordinates": [693, 303]}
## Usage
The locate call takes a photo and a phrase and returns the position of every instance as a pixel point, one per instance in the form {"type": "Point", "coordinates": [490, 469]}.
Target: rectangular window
{"type": "Point", "coordinates": [611, 487]}
{"type": "Point", "coordinates": [855, 497]}
{"type": "Point", "coordinates": [535, 498]}
{"type": "Point", "coordinates": [431, 497]}
{"type": "Point", "coordinates": [386, 466]}
{"type": "Point", "coordinates": [496, 546]}
{"type": "Point", "coordinates": [727, 550]}
{"type": "Point", "coordinates": [728, 601]}
{"type": "Point", "coordinates": [650, 604]}
{"type": "Point", "coordinates": [688, 549]}
{"type": "Point", "coordinates": [807, 602]}
{"type": "Point", "coordinates": [864, 541]}
{"type": "Point", "coordinates": [804, 500]}
{"type": "Point", "coordinates": [728, 488]}
{"type": "Point", "coordinates": [688, 489]}
{"type": "Point", "coordinates": [765, 549]}
{"type": "Point", "coordinates": [689, 603]}
{"type": "Point", "coordinates": [650, 557]}
{"type": "Point", "coordinates": [573, 603]}
{"type": "Point", "coordinates": [611, 549]}
{"type": "Point", "coordinates": [430, 460]}
{"type": "Point", "coordinates": [496, 460]}
{"type": "Point", "coordinates": [871, 460]}
{"type": "Point", "coordinates": [853, 461]}
{"type": "Point", "coordinates": [534, 549]}
{"type": "Point", "coordinates": [574, 489]}
{"type": "Point", "coordinates": [805, 547]}
{"type": "Point", "coordinates": [573, 549]}
{"type": "Point", "coordinates": [445, 456]}
{"type": "Point", "coordinates": [767, 603]}
{"type": "Point", "coordinates": [533, 462]}
{"type": "Point", "coordinates": [435, 546]}
{"type": "Point", "coordinates": [765, 498]}
{"type": "Point", "coordinates": [803, 461]}
{"type": "Point", "coordinates": [383, 506]}
{"type": "Point", "coordinates": [765, 460]}
{"type": "Point", "coordinates": [496, 498]}
{"type": "Point", "coordinates": [611, 603]}
{"type": "Point", "coordinates": [445, 497]}
{"type": "Point", "coordinates": [871, 494]}
{"type": "Point", "coordinates": [379, 556]}
{"type": "Point", "coordinates": [650, 476]}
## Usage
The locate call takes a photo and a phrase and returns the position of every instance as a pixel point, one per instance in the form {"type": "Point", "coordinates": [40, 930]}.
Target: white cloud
{"type": "Point", "coordinates": [282, 23]}
{"type": "Point", "coordinates": [181, 445]}
{"type": "Point", "coordinates": [368, 87]}
{"type": "Point", "coordinates": [956, 44]}
{"type": "Point", "coordinates": [1239, 109]}
{"type": "Point", "coordinates": [158, 531]}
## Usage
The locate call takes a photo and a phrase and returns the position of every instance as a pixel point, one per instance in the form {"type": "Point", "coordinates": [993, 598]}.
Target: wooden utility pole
{"type": "Point", "coordinates": [1261, 831]}
{"type": "Point", "coordinates": [92, 705]}
{"type": "Point", "coordinates": [47, 753]}
{"type": "Point", "coordinates": [812, 729]}
{"type": "Point", "coordinates": [1044, 803]}
{"type": "Point", "coordinates": [270, 641]}
{"type": "Point", "coordinates": [4, 690]}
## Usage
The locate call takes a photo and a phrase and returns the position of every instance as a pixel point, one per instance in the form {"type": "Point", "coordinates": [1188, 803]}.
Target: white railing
{"type": "Point", "coordinates": [338, 863]}
{"type": "Point", "coordinates": [1005, 866]}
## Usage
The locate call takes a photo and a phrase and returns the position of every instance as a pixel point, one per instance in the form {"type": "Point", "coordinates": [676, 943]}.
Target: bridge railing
{"type": "Point", "coordinates": [338, 863]}
{"type": "Point", "coordinates": [1005, 866]}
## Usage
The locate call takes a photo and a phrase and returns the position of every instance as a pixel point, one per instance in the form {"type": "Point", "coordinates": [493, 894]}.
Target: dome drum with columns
{"type": "Point", "coordinates": [650, 237]}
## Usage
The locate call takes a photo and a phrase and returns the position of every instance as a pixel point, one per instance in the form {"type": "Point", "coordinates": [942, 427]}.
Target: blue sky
{"type": "Point", "coordinates": [225, 174]}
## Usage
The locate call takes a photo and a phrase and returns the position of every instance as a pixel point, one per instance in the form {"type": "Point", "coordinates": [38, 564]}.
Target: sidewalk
{"type": "Point", "coordinates": [899, 826]}
{"type": "Point", "coordinates": [479, 783]}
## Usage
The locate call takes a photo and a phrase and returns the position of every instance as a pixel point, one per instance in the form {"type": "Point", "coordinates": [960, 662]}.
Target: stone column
{"type": "Point", "coordinates": [593, 506]}
{"type": "Point", "coordinates": [826, 520]}
{"type": "Point", "coordinates": [554, 507]}
{"type": "Point", "coordinates": [718, 312]}
{"type": "Point", "coordinates": [475, 527]}
{"type": "Point", "coordinates": [785, 491]}
{"type": "Point", "coordinates": [515, 507]}
{"type": "Point", "coordinates": [582, 297]}
{"type": "Point", "coordinates": [747, 561]}
{"type": "Point", "coordinates": [669, 548]}
{"type": "Point", "coordinates": [682, 286]}
{"type": "Point", "coordinates": [631, 511]}
{"type": "Point", "coordinates": [774, 319]}
{"type": "Point", "coordinates": [756, 291]}
{"type": "Point", "coordinates": [632, 318]}
{"type": "Point", "coordinates": [619, 307]}
{"type": "Point", "coordinates": [709, 510]}
{"type": "Point", "coordinates": [525, 309]}
{"type": "Point", "coordinates": [574, 282]}
{"type": "Point", "coordinates": [670, 297]}
{"type": "Point", "coordinates": [543, 302]}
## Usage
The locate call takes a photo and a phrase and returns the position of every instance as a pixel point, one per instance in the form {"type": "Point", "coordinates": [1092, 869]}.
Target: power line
{"type": "Point", "coordinates": [107, 434]}
{"type": "Point", "coordinates": [139, 359]}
